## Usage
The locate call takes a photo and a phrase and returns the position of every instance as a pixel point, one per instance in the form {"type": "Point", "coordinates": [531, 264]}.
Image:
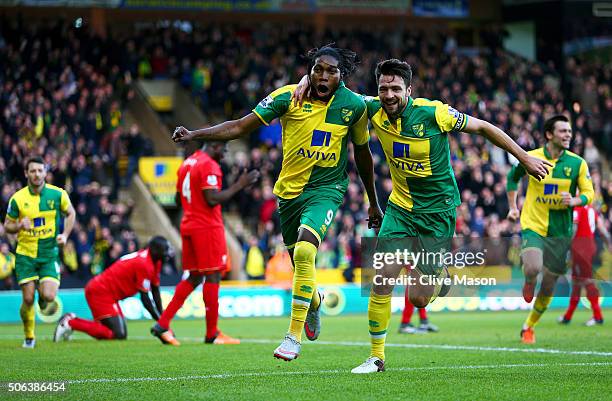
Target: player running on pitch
{"type": "Point", "coordinates": [584, 248]}
{"type": "Point", "coordinates": [313, 178]}
{"type": "Point", "coordinates": [200, 195]}
{"type": "Point", "coordinates": [546, 219]}
{"type": "Point", "coordinates": [34, 214]}
{"type": "Point", "coordinates": [134, 273]}
{"type": "Point", "coordinates": [414, 137]}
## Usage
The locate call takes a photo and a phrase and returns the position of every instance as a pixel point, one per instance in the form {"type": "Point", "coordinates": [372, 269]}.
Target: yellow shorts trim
{"type": "Point", "coordinates": [27, 280]}
{"type": "Point", "coordinates": [312, 230]}
{"type": "Point", "coordinates": [49, 279]}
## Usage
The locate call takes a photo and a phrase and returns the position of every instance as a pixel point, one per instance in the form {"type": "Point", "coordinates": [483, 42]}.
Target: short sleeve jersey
{"type": "Point", "coordinates": [543, 211]}
{"type": "Point", "coordinates": [197, 173]}
{"type": "Point", "coordinates": [44, 211]}
{"type": "Point", "coordinates": [132, 273]}
{"type": "Point", "coordinates": [314, 138]}
{"type": "Point", "coordinates": [417, 149]}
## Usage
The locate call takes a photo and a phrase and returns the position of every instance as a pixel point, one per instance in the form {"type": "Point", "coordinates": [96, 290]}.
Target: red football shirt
{"type": "Point", "coordinates": [586, 219]}
{"type": "Point", "coordinates": [198, 172]}
{"type": "Point", "coordinates": [132, 273]}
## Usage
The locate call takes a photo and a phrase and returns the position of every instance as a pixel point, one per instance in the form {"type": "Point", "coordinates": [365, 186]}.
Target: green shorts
{"type": "Point", "coordinates": [429, 232]}
{"type": "Point", "coordinates": [30, 269]}
{"type": "Point", "coordinates": [554, 249]}
{"type": "Point", "coordinates": [313, 209]}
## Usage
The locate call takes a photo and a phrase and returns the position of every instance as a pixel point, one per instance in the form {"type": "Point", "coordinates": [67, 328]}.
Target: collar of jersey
{"type": "Point", "coordinates": [41, 191]}
{"type": "Point", "coordinates": [549, 157]}
{"type": "Point", "coordinates": [405, 113]}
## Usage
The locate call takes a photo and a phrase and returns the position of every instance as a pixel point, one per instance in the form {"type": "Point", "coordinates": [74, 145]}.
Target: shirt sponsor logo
{"type": "Point", "coordinates": [320, 138]}
{"type": "Point", "coordinates": [551, 189]}
{"type": "Point", "coordinates": [401, 149]}
{"type": "Point", "coordinates": [39, 221]}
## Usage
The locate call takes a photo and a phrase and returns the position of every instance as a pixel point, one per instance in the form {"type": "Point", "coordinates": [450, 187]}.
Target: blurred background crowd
{"type": "Point", "coordinates": [64, 91]}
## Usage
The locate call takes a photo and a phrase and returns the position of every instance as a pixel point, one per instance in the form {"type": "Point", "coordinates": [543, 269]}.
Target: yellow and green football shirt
{"type": "Point", "coordinates": [44, 211]}
{"type": "Point", "coordinates": [543, 212]}
{"type": "Point", "coordinates": [417, 149]}
{"type": "Point", "coordinates": [314, 138]}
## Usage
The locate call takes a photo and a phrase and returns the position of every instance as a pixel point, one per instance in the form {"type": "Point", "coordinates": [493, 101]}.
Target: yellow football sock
{"type": "Point", "coordinates": [28, 318]}
{"type": "Point", "coordinates": [539, 307]}
{"type": "Point", "coordinates": [379, 314]}
{"type": "Point", "coordinates": [304, 255]}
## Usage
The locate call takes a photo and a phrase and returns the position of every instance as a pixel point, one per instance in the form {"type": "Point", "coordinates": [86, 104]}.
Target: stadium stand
{"type": "Point", "coordinates": [65, 97]}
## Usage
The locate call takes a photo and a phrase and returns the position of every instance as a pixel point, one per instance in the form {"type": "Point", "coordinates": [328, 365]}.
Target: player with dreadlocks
{"type": "Point", "coordinates": [313, 179]}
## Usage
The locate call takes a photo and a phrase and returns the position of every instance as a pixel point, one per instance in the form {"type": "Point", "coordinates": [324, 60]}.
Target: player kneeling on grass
{"type": "Point", "coordinates": [134, 273]}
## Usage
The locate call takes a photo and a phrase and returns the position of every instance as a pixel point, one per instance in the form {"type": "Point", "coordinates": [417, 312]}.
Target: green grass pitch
{"type": "Point", "coordinates": [476, 355]}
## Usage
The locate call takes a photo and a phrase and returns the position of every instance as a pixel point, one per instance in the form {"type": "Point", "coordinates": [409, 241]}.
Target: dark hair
{"type": "Point", "coordinates": [394, 67]}
{"type": "Point", "coordinates": [347, 59]}
{"type": "Point", "coordinates": [159, 248]}
{"type": "Point", "coordinates": [549, 125]}
{"type": "Point", "coordinates": [34, 159]}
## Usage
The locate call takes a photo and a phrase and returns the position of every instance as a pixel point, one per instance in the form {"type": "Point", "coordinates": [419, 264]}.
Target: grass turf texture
{"type": "Point", "coordinates": [249, 372]}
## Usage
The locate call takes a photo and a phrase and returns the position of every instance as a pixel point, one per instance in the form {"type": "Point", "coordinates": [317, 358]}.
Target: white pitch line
{"type": "Point", "coordinates": [447, 347]}
{"type": "Point", "coordinates": [329, 371]}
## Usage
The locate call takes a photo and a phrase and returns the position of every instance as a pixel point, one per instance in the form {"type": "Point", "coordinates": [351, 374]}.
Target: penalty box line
{"type": "Point", "coordinates": [328, 371]}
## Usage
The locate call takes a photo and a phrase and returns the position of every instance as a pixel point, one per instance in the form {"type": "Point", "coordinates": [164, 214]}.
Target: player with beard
{"type": "Point", "coordinates": [313, 178]}
{"type": "Point", "coordinates": [546, 219]}
{"type": "Point", "coordinates": [34, 214]}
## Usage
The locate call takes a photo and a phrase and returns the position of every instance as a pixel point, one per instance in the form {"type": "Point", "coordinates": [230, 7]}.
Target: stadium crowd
{"type": "Point", "coordinates": [62, 98]}
{"type": "Point", "coordinates": [230, 68]}
{"type": "Point", "coordinates": [64, 89]}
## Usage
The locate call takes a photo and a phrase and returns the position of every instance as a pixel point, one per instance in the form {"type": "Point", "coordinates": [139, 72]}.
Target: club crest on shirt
{"type": "Point", "coordinates": [51, 204]}
{"type": "Point", "coordinates": [418, 129]}
{"type": "Point", "coordinates": [567, 171]}
{"type": "Point", "coordinates": [346, 114]}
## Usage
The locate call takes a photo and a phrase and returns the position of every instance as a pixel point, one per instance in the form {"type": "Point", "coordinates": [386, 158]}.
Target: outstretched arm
{"type": "Point", "coordinates": [538, 168]}
{"type": "Point", "coordinates": [365, 167]}
{"type": "Point", "coordinates": [226, 131]}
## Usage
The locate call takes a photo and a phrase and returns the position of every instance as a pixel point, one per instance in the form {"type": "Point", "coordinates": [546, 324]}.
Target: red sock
{"type": "Point", "coordinates": [210, 293]}
{"type": "Point", "coordinates": [182, 291]}
{"type": "Point", "coordinates": [408, 309]}
{"type": "Point", "coordinates": [574, 300]}
{"type": "Point", "coordinates": [422, 314]}
{"type": "Point", "coordinates": [94, 329]}
{"type": "Point", "coordinates": [593, 297]}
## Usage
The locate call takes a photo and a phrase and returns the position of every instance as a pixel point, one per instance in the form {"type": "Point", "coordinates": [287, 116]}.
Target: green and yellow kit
{"type": "Point", "coordinates": [313, 178]}
{"type": "Point", "coordinates": [37, 251]}
{"type": "Point", "coordinates": [545, 222]}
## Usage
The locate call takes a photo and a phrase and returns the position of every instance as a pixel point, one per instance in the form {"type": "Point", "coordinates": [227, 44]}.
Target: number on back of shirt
{"type": "Point", "coordinates": [186, 189]}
